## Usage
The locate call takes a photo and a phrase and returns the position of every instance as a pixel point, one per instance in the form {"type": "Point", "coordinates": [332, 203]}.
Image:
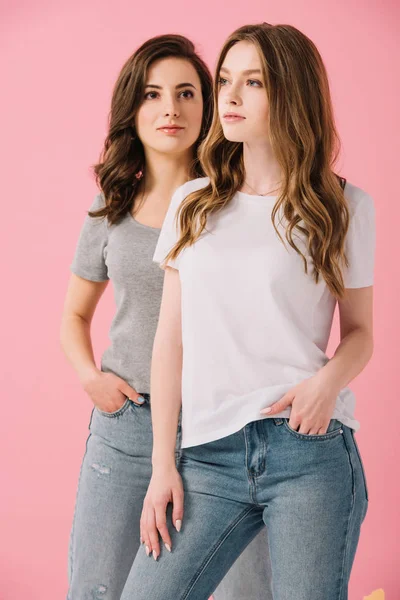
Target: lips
{"type": "Point", "coordinates": [233, 117]}
{"type": "Point", "coordinates": [169, 128]}
{"type": "Point", "coordinates": [232, 114]}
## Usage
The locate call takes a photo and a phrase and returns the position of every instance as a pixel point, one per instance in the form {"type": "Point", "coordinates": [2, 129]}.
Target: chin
{"type": "Point", "coordinates": [170, 145]}
{"type": "Point", "coordinates": [232, 134]}
{"type": "Point", "coordinates": [231, 137]}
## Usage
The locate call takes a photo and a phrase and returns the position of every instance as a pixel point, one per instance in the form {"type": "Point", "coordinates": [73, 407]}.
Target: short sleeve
{"type": "Point", "coordinates": [169, 232]}
{"type": "Point", "coordinates": [89, 259]}
{"type": "Point", "coordinates": [360, 244]}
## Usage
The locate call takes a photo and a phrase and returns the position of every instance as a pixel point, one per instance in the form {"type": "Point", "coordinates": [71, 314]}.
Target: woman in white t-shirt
{"type": "Point", "coordinates": [257, 255]}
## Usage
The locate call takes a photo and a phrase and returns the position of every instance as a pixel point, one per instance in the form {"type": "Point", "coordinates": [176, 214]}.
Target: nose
{"type": "Point", "coordinates": [171, 109]}
{"type": "Point", "coordinates": [233, 98]}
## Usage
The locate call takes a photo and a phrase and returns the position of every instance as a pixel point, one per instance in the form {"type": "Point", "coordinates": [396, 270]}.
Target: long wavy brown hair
{"type": "Point", "coordinates": [305, 141]}
{"type": "Point", "coordinates": [122, 156]}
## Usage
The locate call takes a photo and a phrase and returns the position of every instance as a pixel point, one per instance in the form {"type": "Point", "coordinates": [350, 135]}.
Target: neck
{"type": "Point", "coordinates": [165, 172]}
{"type": "Point", "coordinates": [262, 170]}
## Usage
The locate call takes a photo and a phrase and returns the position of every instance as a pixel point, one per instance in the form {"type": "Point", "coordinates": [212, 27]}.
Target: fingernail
{"type": "Point", "coordinates": [141, 541]}
{"type": "Point", "coordinates": [266, 410]}
{"type": "Point", "coordinates": [154, 555]}
{"type": "Point", "coordinates": [147, 551]}
{"type": "Point", "coordinates": [178, 525]}
{"type": "Point", "coordinates": [168, 547]}
{"type": "Point", "coordinates": [140, 399]}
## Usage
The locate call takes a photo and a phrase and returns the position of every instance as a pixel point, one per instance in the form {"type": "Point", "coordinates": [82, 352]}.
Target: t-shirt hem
{"type": "Point", "coordinates": [358, 284]}
{"type": "Point", "coordinates": [163, 265]}
{"type": "Point", "coordinates": [142, 386]}
{"type": "Point", "coordinates": [199, 440]}
{"type": "Point", "coordinates": [89, 276]}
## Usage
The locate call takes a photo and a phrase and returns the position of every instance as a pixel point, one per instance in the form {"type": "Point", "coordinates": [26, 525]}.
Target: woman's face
{"type": "Point", "coordinates": [242, 98]}
{"type": "Point", "coordinates": [170, 116]}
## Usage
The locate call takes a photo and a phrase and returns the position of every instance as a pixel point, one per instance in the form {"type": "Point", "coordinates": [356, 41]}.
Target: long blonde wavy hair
{"type": "Point", "coordinates": [305, 141]}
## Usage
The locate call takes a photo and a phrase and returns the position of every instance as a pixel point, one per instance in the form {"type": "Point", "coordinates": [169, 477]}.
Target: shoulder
{"type": "Point", "coordinates": [359, 201]}
{"type": "Point", "coordinates": [98, 202]}
{"type": "Point", "coordinates": [195, 184]}
{"type": "Point", "coordinates": [191, 186]}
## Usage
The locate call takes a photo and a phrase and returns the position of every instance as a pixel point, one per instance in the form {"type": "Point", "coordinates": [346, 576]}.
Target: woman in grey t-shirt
{"type": "Point", "coordinates": [161, 111]}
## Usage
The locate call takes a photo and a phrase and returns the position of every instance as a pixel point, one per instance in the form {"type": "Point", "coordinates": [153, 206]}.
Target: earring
{"type": "Point", "coordinates": [139, 175]}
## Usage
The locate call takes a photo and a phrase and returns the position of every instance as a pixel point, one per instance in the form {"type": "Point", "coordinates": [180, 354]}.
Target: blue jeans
{"type": "Point", "coordinates": [113, 481]}
{"type": "Point", "coordinates": [309, 490]}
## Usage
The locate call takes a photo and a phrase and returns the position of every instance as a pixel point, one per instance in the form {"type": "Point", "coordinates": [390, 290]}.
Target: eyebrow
{"type": "Point", "coordinates": [177, 87]}
{"type": "Point", "coordinates": [247, 72]}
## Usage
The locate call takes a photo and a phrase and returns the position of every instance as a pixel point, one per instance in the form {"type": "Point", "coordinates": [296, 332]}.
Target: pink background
{"type": "Point", "coordinates": [59, 62]}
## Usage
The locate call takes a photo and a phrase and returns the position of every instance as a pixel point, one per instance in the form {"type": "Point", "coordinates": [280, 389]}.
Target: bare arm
{"type": "Point", "coordinates": [106, 390]}
{"type": "Point", "coordinates": [79, 307]}
{"type": "Point", "coordinates": [166, 372]}
{"type": "Point", "coordinates": [313, 400]}
{"type": "Point", "coordinates": [356, 338]}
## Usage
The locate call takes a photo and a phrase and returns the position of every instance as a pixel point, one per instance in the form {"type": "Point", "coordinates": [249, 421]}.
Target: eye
{"type": "Point", "coordinates": [187, 94]}
{"type": "Point", "coordinates": [151, 95]}
{"type": "Point", "coordinates": [254, 83]}
{"type": "Point", "coordinates": [222, 81]}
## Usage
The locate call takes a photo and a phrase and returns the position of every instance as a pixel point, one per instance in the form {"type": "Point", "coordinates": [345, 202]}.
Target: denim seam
{"type": "Point", "coordinates": [347, 537]}
{"type": "Point", "coordinates": [71, 543]}
{"type": "Point", "coordinates": [261, 451]}
{"type": "Point", "coordinates": [250, 479]}
{"type": "Point", "coordinates": [256, 487]}
{"type": "Point", "coordinates": [215, 548]}
{"type": "Point", "coordinates": [362, 465]}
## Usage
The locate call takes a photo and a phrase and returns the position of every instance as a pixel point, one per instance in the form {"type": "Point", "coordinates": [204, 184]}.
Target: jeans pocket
{"type": "Point", "coordinates": [115, 413]}
{"type": "Point", "coordinates": [335, 428]}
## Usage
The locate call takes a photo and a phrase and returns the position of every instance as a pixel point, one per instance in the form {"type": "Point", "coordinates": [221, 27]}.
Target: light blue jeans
{"type": "Point", "coordinates": [309, 490]}
{"type": "Point", "coordinates": [113, 481]}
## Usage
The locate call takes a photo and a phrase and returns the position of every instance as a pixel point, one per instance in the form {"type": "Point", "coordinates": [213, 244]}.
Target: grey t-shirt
{"type": "Point", "coordinates": [124, 253]}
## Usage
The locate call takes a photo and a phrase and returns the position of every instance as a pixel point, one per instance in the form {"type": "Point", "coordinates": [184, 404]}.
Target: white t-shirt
{"type": "Point", "coordinates": [253, 323]}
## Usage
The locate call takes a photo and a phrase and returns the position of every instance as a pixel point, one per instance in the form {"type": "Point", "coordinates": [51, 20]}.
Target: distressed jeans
{"type": "Point", "coordinates": [113, 481]}
{"type": "Point", "coordinates": [309, 490]}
